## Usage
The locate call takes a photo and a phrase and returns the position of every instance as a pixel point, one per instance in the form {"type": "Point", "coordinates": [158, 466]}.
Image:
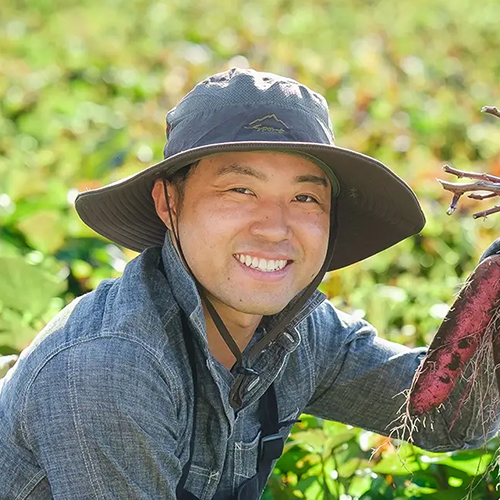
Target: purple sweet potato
{"type": "Point", "coordinates": [458, 338]}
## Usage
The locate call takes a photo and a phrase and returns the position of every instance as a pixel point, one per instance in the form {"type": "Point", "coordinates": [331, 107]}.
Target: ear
{"type": "Point", "coordinates": [161, 204]}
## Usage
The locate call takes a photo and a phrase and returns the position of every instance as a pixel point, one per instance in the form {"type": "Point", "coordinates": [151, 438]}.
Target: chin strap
{"type": "Point", "coordinates": [235, 398]}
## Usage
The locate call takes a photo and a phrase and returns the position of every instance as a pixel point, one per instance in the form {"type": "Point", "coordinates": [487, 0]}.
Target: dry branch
{"type": "Point", "coordinates": [461, 189]}
{"type": "Point", "coordinates": [492, 186]}
{"type": "Point", "coordinates": [485, 213]}
{"type": "Point", "coordinates": [492, 110]}
{"type": "Point", "coordinates": [475, 196]}
{"type": "Point", "coordinates": [470, 175]}
{"type": "Point", "coordinates": [487, 185]}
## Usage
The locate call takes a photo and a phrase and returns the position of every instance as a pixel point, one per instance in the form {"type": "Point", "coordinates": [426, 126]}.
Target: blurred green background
{"type": "Point", "coordinates": [84, 89]}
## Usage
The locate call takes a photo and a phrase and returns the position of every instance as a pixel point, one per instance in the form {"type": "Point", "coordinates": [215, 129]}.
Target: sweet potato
{"type": "Point", "coordinates": [458, 338]}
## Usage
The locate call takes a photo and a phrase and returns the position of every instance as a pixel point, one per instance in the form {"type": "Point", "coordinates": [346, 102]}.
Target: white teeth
{"type": "Point", "coordinates": [261, 264]}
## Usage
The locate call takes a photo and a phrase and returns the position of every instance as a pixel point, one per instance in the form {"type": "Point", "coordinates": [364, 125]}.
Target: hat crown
{"type": "Point", "coordinates": [247, 87]}
{"type": "Point", "coordinates": [247, 105]}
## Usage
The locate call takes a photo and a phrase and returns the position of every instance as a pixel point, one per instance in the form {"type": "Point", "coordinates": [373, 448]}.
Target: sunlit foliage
{"type": "Point", "coordinates": [84, 89]}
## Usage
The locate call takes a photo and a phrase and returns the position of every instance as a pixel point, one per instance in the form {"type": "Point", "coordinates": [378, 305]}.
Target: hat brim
{"type": "Point", "coordinates": [377, 209]}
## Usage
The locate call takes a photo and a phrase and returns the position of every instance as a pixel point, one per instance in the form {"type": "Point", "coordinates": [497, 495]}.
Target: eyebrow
{"type": "Point", "coordinates": [314, 179]}
{"type": "Point", "coordinates": [235, 168]}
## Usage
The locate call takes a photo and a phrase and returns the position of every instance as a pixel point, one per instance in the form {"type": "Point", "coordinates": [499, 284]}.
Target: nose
{"type": "Point", "coordinates": [271, 223]}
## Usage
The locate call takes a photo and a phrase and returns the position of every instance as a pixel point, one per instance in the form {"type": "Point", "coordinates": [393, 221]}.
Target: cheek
{"type": "Point", "coordinates": [207, 226]}
{"type": "Point", "coordinates": [315, 242]}
{"type": "Point", "coordinates": [317, 229]}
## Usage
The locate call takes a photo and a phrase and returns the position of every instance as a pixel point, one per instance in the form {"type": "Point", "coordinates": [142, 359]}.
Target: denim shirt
{"type": "Point", "coordinates": [100, 405]}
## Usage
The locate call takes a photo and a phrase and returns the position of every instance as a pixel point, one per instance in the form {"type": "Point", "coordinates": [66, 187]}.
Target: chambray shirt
{"type": "Point", "coordinates": [100, 405]}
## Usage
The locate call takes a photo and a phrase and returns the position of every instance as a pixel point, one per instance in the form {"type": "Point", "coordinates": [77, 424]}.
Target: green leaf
{"type": "Point", "coordinates": [394, 464]}
{"type": "Point", "coordinates": [44, 230]}
{"type": "Point", "coordinates": [473, 463]}
{"type": "Point", "coordinates": [312, 440]}
{"type": "Point", "coordinates": [26, 288]}
{"type": "Point", "coordinates": [15, 329]}
{"type": "Point", "coordinates": [294, 460]}
{"type": "Point", "coordinates": [360, 484]}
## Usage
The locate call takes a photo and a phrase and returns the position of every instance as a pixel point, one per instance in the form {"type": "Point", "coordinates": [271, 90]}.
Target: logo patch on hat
{"type": "Point", "coordinates": [268, 123]}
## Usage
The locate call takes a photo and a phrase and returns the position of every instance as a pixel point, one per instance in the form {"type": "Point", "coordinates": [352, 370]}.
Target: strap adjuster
{"type": "Point", "coordinates": [244, 370]}
{"type": "Point", "coordinates": [271, 447]}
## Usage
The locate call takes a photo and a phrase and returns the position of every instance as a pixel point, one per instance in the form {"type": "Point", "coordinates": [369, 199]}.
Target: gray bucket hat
{"type": "Point", "coordinates": [247, 110]}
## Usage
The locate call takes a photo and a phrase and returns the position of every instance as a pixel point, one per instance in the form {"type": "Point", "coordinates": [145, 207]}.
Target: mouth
{"type": "Point", "coordinates": [262, 265]}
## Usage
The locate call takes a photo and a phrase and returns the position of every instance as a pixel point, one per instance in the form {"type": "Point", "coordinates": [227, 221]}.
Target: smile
{"type": "Point", "coordinates": [264, 265]}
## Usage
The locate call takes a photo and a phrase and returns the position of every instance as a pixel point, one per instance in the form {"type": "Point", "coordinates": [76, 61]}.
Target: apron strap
{"type": "Point", "coordinates": [270, 443]}
{"type": "Point", "coordinates": [270, 447]}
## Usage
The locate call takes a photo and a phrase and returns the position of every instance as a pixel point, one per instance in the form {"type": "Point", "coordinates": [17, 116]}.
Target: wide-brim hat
{"type": "Point", "coordinates": [246, 110]}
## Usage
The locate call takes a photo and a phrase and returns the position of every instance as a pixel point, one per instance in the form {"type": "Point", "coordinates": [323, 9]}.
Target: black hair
{"type": "Point", "coordinates": [179, 178]}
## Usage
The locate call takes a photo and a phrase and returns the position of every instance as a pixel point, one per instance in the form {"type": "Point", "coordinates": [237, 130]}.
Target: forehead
{"type": "Point", "coordinates": [270, 162]}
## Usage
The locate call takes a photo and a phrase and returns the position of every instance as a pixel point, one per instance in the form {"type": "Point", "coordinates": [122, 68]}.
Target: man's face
{"type": "Point", "coordinates": [253, 227]}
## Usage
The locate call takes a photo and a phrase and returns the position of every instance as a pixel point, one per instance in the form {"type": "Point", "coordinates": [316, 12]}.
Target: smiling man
{"type": "Point", "coordinates": [254, 230]}
{"type": "Point", "coordinates": [182, 378]}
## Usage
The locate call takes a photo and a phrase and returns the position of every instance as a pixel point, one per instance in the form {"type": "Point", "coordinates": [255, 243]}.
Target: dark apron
{"type": "Point", "coordinates": [270, 441]}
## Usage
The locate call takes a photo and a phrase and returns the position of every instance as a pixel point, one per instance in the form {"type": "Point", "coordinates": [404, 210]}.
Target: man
{"type": "Point", "coordinates": [182, 378]}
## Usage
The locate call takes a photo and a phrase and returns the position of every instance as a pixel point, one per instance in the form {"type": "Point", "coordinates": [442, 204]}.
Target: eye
{"type": "Point", "coordinates": [241, 190]}
{"type": "Point", "coordinates": [306, 198]}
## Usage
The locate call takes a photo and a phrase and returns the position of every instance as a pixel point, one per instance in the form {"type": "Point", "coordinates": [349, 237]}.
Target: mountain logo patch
{"type": "Point", "coordinates": [268, 123]}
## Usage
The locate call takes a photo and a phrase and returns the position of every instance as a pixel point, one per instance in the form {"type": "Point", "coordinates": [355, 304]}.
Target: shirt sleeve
{"type": "Point", "coordinates": [100, 420]}
{"type": "Point", "coordinates": [363, 380]}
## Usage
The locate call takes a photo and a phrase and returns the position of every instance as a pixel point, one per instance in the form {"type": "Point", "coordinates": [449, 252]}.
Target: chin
{"type": "Point", "coordinates": [260, 309]}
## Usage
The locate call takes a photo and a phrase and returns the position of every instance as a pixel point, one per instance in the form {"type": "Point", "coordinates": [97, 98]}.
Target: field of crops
{"type": "Point", "coordinates": [84, 89]}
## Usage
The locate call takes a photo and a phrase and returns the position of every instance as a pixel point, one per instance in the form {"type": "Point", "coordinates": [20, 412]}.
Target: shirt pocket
{"type": "Point", "coordinates": [201, 481]}
{"type": "Point", "coordinates": [246, 455]}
